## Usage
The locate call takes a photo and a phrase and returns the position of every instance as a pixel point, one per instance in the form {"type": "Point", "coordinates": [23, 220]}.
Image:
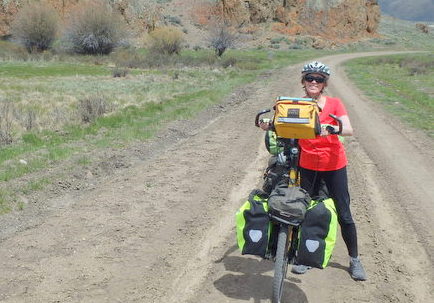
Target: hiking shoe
{"type": "Point", "coordinates": [356, 270]}
{"type": "Point", "coordinates": [300, 269]}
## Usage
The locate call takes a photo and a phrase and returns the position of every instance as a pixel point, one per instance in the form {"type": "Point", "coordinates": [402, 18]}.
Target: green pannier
{"type": "Point", "coordinates": [317, 234]}
{"type": "Point", "coordinates": [271, 143]}
{"type": "Point", "coordinates": [253, 225]}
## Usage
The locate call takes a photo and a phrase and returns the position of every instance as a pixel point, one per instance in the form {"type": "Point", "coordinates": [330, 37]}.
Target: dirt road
{"type": "Point", "coordinates": [160, 227]}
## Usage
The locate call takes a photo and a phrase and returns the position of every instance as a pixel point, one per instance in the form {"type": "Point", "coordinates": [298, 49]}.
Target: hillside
{"type": "Point", "coordinates": [325, 23]}
{"type": "Point", "coordinates": [416, 10]}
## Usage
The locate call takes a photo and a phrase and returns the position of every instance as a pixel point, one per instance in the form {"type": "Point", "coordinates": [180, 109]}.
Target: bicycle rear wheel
{"type": "Point", "coordinates": [281, 263]}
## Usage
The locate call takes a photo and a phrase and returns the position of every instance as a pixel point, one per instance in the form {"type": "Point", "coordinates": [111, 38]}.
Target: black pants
{"type": "Point", "coordinates": [337, 185]}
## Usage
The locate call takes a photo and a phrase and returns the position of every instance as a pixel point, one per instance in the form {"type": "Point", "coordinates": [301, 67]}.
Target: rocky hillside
{"type": "Point", "coordinates": [335, 19]}
{"type": "Point", "coordinates": [327, 22]}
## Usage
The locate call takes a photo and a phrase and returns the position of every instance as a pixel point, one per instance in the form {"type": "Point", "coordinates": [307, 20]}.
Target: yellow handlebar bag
{"type": "Point", "coordinates": [296, 118]}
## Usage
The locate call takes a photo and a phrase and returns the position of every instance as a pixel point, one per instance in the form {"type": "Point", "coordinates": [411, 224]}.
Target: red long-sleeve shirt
{"type": "Point", "coordinates": [325, 153]}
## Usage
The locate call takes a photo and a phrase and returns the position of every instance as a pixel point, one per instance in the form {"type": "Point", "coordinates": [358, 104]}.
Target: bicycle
{"type": "Point", "coordinates": [288, 227]}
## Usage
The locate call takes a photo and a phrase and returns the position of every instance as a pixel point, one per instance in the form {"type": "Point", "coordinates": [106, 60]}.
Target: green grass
{"type": "Point", "coordinates": [29, 69]}
{"type": "Point", "coordinates": [271, 59]}
{"type": "Point", "coordinates": [140, 104]}
{"type": "Point", "coordinates": [395, 34]}
{"type": "Point", "coordinates": [404, 34]}
{"type": "Point", "coordinates": [35, 185]}
{"type": "Point", "coordinates": [404, 84]}
{"type": "Point", "coordinates": [35, 159]}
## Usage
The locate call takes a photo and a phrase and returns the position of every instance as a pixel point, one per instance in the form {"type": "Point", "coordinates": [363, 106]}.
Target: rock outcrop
{"type": "Point", "coordinates": [341, 19]}
{"type": "Point", "coordinates": [329, 20]}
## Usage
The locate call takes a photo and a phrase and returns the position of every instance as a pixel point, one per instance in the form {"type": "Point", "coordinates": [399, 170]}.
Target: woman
{"type": "Point", "coordinates": [323, 159]}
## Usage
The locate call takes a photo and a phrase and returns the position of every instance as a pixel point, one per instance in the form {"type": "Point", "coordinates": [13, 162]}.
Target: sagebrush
{"type": "Point", "coordinates": [90, 108]}
{"type": "Point", "coordinates": [5, 123]}
{"type": "Point", "coordinates": [35, 27]}
{"type": "Point", "coordinates": [166, 40]}
{"type": "Point", "coordinates": [95, 29]}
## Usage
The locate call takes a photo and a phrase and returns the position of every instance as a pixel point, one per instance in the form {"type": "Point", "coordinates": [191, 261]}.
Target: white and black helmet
{"type": "Point", "coordinates": [316, 67]}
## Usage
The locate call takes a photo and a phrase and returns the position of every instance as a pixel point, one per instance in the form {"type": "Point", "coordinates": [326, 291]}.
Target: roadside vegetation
{"type": "Point", "coordinates": [63, 108]}
{"type": "Point", "coordinates": [404, 84]}
{"type": "Point", "coordinates": [397, 34]}
{"type": "Point", "coordinates": [68, 94]}
{"type": "Point", "coordinates": [406, 34]}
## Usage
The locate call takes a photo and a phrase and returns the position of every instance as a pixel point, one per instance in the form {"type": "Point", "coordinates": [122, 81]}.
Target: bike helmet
{"type": "Point", "coordinates": [316, 67]}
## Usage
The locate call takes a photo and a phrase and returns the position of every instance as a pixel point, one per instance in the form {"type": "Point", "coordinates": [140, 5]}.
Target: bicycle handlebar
{"type": "Point", "coordinates": [331, 129]}
{"type": "Point", "coordinates": [260, 114]}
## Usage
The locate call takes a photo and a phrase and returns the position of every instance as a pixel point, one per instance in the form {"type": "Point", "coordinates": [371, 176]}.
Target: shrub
{"type": "Point", "coordinates": [158, 60]}
{"type": "Point", "coordinates": [166, 40]}
{"type": "Point", "coordinates": [9, 51]}
{"type": "Point", "coordinates": [295, 46]}
{"type": "Point", "coordinates": [91, 108]}
{"type": "Point", "coordinates": [5, 123]}
{"type": "Point", "coordinates": [221, 38]}
{"type": "Point", "coordinates": [422, 27]}
{"type": "Point", "coordinates": [128, 58]}
{"type": "Point", "coordinates": [175, 20]}
{"type": "Point", "coordinates": [276, 40]}
{"type": "Point", "coordinates": [118, 72]}
{"type": "Point", "coordinates": [29, 119]}
{"type": "Point", "coordinates": [229, 62]}
{"type": "Point", "coordinates": [95, 29]}
{"type": "Point", "coordinates": [416, 67]}
{"type": "Point", "coordinates": [35, 27]}
{"type": "Point", "coordinates": [197, 48]}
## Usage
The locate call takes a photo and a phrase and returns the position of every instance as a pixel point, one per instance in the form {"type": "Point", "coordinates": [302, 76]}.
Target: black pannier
{"type": "Point", "coordinates": [289, 203]}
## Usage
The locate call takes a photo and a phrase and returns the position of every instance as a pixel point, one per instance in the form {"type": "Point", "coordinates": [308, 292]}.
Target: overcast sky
{"type": "Point", "coordinates": [414, 10]}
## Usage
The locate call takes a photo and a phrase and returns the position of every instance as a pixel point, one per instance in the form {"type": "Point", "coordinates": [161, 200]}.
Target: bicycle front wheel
{"type": "Point", "coordinates": [281, 263]}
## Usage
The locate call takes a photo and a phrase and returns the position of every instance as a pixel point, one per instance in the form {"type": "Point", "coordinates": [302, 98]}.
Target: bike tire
{"type": "Point", "coordinates": [281, 263]}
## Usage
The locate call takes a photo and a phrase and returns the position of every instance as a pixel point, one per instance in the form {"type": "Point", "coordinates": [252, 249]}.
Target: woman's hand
{"type": "Point", "coordinates": [265, 124]}
{"type": "Point", "coordinates": [347, 129]}
{"type": "Point", "coordinates": [327, 130]}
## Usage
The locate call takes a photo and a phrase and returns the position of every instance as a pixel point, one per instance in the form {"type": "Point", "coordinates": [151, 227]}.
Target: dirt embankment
{"type": "Point", "coordinates": [161, 227]}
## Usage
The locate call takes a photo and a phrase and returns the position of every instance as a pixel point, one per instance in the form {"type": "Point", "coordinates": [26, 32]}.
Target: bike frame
{"type": "Point", "coordinates": [287, 230]}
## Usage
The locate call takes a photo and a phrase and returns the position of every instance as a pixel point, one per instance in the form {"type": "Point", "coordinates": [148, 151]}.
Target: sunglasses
{"type": "Point", "coordinates": [309, 78]}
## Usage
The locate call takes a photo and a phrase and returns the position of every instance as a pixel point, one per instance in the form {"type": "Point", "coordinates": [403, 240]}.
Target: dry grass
{"type": "Point", "coordinates": [5, 123]}
{"type": "Point", "coordinates": [48, 102]}
{"type": "Point", "coordinates": [91, 108]}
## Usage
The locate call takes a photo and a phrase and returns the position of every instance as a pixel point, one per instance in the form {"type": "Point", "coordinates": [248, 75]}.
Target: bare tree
{"type": "Point", "coordinates": [221, 38]}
